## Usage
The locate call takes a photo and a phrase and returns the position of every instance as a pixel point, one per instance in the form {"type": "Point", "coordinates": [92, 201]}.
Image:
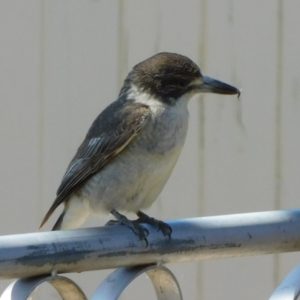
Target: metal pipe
{"type": "Point", "coordinates": [289, 288]}
{"type": "Point", "coordinates": [108, 247]}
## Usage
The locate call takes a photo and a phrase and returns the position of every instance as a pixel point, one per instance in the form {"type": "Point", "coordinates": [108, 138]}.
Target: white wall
{"type": "Point", "coordinates": [62, 62]}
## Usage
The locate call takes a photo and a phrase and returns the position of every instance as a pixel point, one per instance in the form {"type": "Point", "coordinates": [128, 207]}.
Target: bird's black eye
{"type": "Point", "coordinates": [176, 82]}
{"type": "Point", "coordinates": [182, 83]}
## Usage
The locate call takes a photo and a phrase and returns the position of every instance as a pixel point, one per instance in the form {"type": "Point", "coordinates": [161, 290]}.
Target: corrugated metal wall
{"type": "Point", "coordinates": [62, 62]}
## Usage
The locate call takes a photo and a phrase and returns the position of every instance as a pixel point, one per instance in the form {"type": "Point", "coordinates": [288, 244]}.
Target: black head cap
{"type": "Point", "coordinates": [164, 75]}
{"type": "Point", "coordinates": [168, 76]}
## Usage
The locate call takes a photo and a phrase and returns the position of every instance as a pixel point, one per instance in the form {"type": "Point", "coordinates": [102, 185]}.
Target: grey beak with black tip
{"type": "Point", "coordinates": [211, 85]}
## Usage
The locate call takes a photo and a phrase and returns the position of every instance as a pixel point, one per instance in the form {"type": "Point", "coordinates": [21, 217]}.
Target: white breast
{"type": "Point", "coordinates": [135, 177]}
{"type": "Point", "coordinates": [164, 137]}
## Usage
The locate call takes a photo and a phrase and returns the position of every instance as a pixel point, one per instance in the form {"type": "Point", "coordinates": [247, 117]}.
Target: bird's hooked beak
{"type": "Point", "coordinates": [211, 85]}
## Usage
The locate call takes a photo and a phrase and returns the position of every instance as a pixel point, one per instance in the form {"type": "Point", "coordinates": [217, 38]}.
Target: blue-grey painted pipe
{"type": "Point", "coordinates": [116, 246]}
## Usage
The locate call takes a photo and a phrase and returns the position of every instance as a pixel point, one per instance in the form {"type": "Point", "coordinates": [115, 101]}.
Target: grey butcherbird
{"type": "Point", "coordinates": [132, 147]}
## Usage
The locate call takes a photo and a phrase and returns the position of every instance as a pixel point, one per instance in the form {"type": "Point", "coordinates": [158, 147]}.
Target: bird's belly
{"type": "Point", "coordinates": [132, 181]}
{"type": "Point", "coordinates": [151, 180]}
{"type": "Point", "coordinates": [135, 177]}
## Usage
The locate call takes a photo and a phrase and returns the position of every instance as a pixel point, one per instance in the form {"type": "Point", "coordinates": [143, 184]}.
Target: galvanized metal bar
{"type": "Point", "coordinates": [289, 288]}
{"type": "Point", "coordinates": [23, 288]}
{"type": "Point", "coordinates": [164, 282]}
{"type": "Point", "coordinates": [116, 246]}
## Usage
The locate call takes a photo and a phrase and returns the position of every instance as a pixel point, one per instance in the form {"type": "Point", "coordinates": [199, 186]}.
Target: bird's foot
{"type": "Point", "coordinates": [140, 231]}
{"type": "Point", "coordinates": [160, 225]}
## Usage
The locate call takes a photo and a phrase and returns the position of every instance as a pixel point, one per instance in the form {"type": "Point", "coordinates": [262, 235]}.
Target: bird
{"type": "Point", "coordinates": [131, 148]}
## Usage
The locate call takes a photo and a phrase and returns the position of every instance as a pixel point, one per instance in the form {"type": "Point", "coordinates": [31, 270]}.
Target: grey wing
{"type": "Point", "coordinates": [110, 133]}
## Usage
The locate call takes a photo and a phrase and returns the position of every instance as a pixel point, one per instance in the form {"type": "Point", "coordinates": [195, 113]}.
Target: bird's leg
{"type": "Point", "coordinates": [138, 229]}
{"type": "Point", "coordinates": [160, 225]}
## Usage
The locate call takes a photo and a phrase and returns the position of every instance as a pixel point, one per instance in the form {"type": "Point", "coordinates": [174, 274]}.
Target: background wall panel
{"type": "Point", "coordinates": [62, 62]}
{"type": "Point", "coordinates": [289, 121]}
{"type": "Point", "coordinates": [239, 134]}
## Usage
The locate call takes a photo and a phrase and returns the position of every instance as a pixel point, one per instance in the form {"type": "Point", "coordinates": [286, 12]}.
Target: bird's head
{"type": "Point", "coordinates": [169, 76]}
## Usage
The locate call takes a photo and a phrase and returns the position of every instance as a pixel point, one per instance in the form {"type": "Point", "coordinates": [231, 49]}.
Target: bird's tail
{"type": "Point", "coordinates": [74, 214]}
{"type": "Point", "coordinates": [55, 204]}
{"type": "Point", "coordinates": [58, 224]}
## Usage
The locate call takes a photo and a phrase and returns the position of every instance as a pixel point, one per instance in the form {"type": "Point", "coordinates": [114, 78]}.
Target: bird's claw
{"type": "Point", "coordinates": [165, 228]}
{"type": "Point", "coordinates": [111, 223]}
{"type": "Point", "coordinates": [140, 231]}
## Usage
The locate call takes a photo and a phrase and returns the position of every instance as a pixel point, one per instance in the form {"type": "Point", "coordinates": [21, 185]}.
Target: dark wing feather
{"type": "Point", "coordinates": [110, 133]}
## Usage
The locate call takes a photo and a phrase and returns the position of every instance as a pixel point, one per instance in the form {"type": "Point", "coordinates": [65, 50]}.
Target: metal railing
{"type": "Point", "coordinates": [47, 254]}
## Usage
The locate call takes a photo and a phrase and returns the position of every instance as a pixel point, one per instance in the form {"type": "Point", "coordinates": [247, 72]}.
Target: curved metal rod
{"type": "Point", "coordinates": [289, 288]}
{"type": "Point", "coordinates": [165, 284]}
{"type": "Point", "coordinates": [22, 288]}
